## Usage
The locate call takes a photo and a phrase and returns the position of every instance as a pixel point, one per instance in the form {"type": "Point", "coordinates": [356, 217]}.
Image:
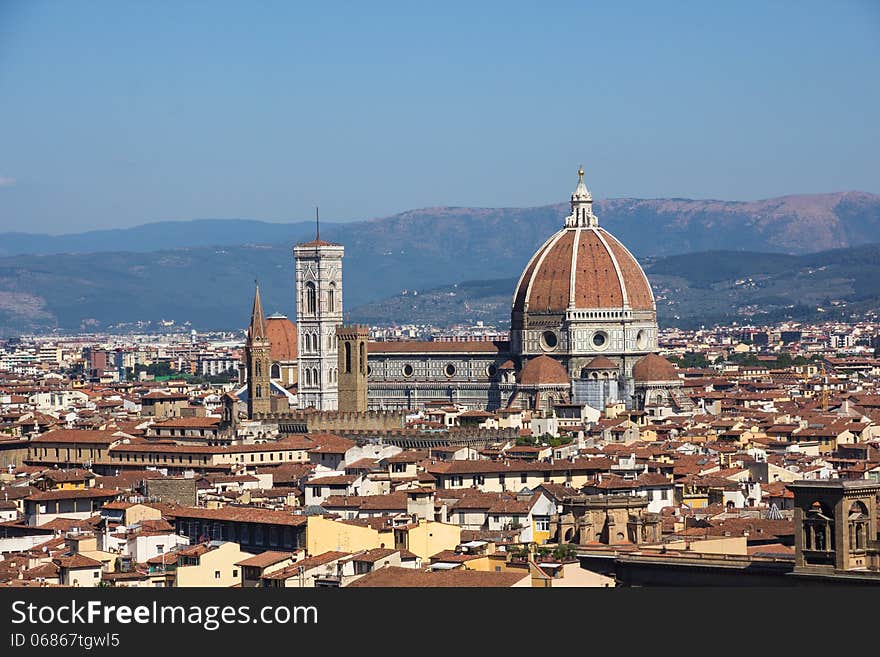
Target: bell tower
{"type": "Point", "coordinates": [257, 352]}
{"type": "Point", "coordinates": [318, 313]}
{"type": "Point", "coordinates": [353, 367]}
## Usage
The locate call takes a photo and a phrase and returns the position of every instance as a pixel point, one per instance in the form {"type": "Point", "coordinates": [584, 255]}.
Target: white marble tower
{"type": "Point", "coordinates": [318, 312]}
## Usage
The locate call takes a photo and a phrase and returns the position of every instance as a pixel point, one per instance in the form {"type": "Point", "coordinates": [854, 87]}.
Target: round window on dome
{"type": "Point", "coordinates": [491, 370]}
{"type": "Point", "coordinates": [449, 369]}
{"type": "Point", "coordinates": [369, 370]}
{"type": "Point", "coordinates": [549, 340]}
{"type": "Point", "coordinates": [407, 370]}
{"type": "Point", "coordinates": [641, 340]}
{"type": "Point", "coordinates": [600, 338]}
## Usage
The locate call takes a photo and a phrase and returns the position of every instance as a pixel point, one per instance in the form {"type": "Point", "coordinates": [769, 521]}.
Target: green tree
{"type": "Point", "coordinates": [564, 552]}
{"type": "Point", "coordinates": [690, 359]}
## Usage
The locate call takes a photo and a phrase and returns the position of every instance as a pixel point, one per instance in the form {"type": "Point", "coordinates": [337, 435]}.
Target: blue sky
{"type": "Point", "coordinates": [118, 113]}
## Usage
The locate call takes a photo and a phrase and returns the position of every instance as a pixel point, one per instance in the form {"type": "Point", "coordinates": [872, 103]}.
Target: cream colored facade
{"type": "Point", "coordinates": [721, 545]}
{"type": "Point", "coordinates": [568, 575]}
{"type": "Point", "coordinates": [499, 482]}
{"type": "Point", "coordinates": [216, 567]}
{"type": "Point", "coordinates": [431, 537]}
{"type": "Point", "coordinates": [323, 535]}
{"type": "Point", "coordinates": [423, 540]}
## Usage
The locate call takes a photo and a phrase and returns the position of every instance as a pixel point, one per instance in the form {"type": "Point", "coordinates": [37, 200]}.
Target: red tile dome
{"type": "Point", "coordinates": [282, 338]}
{"type": "Point", "coordinates": [582, 267]}
{"type": "Point", "coordinates": [601, 363]}
{"type": "Point", "coordinates": [652, 368]}
{"type": "Point", "coordinates": [543, 370]}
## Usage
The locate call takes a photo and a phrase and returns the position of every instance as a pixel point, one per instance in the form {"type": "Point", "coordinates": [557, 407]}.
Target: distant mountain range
{"type": "Point", "coordinates": [203, 271]}
{"type": "Point", "coordinates": [788, 224]}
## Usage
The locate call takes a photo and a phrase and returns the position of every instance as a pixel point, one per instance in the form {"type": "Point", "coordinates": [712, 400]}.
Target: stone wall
{"type": "Point", "coordinates": [337, 421]}
{"type": "Point", "coordinates": [172, 490]}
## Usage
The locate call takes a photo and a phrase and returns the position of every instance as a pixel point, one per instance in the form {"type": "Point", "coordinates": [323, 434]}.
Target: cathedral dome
{"type": "Point", "coordinates": [282, 338]}
{"type": "Point", "coordinates": [543, 370]}
{"type": "Point", "coordinates": [652, 368]}
{"type": "Point", "coordinates": [582, 266]}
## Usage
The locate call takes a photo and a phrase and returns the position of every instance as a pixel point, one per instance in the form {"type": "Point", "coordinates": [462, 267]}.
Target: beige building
{"type": "Point", "coordinates": [178, 458]}
{"type": "Point", "coordinates": [79, 570]}
{"type": "Point", "coordinates": [210, 566]}
{"type": "Point", "coordinates": [422, 539]}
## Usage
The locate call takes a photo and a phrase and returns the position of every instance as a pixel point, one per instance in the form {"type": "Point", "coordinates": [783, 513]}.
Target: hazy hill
{"type": "Point", "coordinates": [790, 224]}
{"type": "Point", "coordinates": [157, 236]}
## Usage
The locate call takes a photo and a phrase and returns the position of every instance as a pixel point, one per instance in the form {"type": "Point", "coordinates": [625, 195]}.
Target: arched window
{"type": "Point", "coordinates": [259, 392]}
{"type": "Point", "coordinates": [331, 297]}
{"type": "Point", "coordinates": [311, 298]}
{"type": "Point", "coordinates": [348, 357]}
{"type": "Point", "coordinates": [276, 371]}
{"type": "Point", "coordinates": [858, 526]}
{"type": "Point", "coordinates": [307, 378]}
{"type": "Point", "coordinates": [363, 357]}
{"type": "Point", "coordinates": [315, 379]}
{"type": "Point", "coordinates": [258, 368]}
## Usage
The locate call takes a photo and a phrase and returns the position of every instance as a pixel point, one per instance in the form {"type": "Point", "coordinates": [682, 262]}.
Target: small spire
{"type": "Point", "coordinates": [257, 329]}
{"type": "Point", "coordinates": [317, 225]}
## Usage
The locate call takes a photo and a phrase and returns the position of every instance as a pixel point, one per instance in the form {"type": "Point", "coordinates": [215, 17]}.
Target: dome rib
{"type": "Point", "coordinates": [540, 262]}
{"type": "Point", "coordinates": [572, 285]}
{"type": "Point", "coordinates": [595, 286]}
{"type": "Point", "coordinates": [641, 297]}
{"type": "Point", "coordinates": [520, 295]}
{"type": "Point", "coordinates": [620, 279]}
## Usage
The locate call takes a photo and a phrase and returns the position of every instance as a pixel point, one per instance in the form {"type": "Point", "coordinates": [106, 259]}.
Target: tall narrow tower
{"type": "Point", "coordinates": [353, 367]}
{"type": "Point", "coordinates": [257, 352]}
{"type": "Point", "coordinates": [318, 312]}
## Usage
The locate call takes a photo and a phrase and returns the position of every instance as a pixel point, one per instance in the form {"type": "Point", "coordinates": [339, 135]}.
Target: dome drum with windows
{"type": "Point", "coordinates": [583, 294]}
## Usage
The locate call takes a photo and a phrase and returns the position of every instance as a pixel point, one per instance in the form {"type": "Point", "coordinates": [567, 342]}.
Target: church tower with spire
{"type": "Point", "coordinates": [318, 313]}
{"type": "Point", "coordinates": [257, 353]}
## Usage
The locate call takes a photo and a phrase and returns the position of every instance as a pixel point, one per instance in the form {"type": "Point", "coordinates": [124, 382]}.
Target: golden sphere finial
{"type": "Point", "coordinates": [580, 172]}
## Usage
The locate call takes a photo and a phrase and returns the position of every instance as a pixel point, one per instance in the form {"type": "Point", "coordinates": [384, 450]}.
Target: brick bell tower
{"type": "Point", "coordinates": [257, 352]}
{"type": "Point", "coordinates": [352, 367]}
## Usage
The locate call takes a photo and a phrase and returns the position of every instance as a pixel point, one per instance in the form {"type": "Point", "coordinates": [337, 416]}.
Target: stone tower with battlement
{"type": "Point", "coordinates": [257, 353]}
{"type": "Point", "coordinates": [318, 313]}
{"type": "Point", "coordinates": [352, 367]}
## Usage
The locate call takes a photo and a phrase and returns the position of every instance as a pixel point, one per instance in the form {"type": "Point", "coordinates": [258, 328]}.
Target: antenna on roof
{"type": "Point", "coordinates": [317, 225]}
